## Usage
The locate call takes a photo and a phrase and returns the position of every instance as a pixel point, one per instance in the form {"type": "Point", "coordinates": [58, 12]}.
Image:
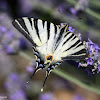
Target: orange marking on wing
{"type": "Point", "coordinates": [49, 56]}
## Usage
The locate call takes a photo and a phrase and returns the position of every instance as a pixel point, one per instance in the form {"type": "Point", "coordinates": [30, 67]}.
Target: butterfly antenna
{"type": "Point", "coordinates": [75, 20]}
{"type": "Point", "coordinates": [44, 82]}
{"type": "Point", "coordinates": [32, 76]}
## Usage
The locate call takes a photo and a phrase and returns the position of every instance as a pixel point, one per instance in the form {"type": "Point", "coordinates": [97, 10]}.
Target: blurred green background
{"type": "Point", "coordinates": [17, 61]}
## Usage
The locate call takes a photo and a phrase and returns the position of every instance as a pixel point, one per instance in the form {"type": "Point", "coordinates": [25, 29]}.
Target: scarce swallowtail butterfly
{"type": "Point", "coordinates": [51, 44]}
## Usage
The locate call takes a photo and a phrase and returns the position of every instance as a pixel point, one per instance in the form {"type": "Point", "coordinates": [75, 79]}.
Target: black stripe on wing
{"type": "Point", "coordinates": [36, 28]}
{"type": "Point", "coordinates": [73, 45]}
{"type": "Point", "coordinates": [30, 20]}
{"type": "Point", "coordinates": [20, 25]}
{"type": "Point", "coordinates": [68, 32]}
{"type": "Point", "coordinates": [43, 22]}
{"type": "Point", "coordinates": [78, 53]}
{"type": "Point", "coordinates": [48, 30]}
{"type": "Point", "coordinates": [62, 31]}
{"type": "Point", "coordinates": [72, 36]}
{"type": "Point", "coordinates": [74, 57]}
{"type": "Point", "coordinates": [55, 29]}
{"type": "Point", "coordinates": [82, 54]}
{"type": "Point", "coordinates": [76, 48]}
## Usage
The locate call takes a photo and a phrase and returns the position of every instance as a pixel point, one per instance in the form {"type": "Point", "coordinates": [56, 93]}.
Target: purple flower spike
{"type": "Point", "coordinates": [78, 97]}
{"type": "Point", "coordinates": [22, 43]}
{"type": "Point", "coordinates": [73, 11]}
{"type": "Point", "coordinates": [18, 95]}
{"type": "Point", "coordinates": [30, 69]}
{"type": "Point", "coordinates": [3, 29]}
{"type": "Point", "coordinates": [89, 61]}
{"type": "Point", "coordinates": [70, 29]}
{"type": "Point", "coordinates": [9, 50]}
{"type": "Point", "coordinates": [79, 64]}
{"type": "Point", "coordinates": [12, 81]}
{"type": "Point", "coordinates": [90, 42]}
{"type": "Point", "coordinates": [46, 96]}
{"type": "Point", "coordinates": [14, 76]}
{"type": "Point", "coordinates": [98, 67]}
{"type": "Point", "coordinates": [89, 72]}
{"type": "Point", "coordinates": [10, 34]}
{"type": "Point", "coordinates": [96, 48]}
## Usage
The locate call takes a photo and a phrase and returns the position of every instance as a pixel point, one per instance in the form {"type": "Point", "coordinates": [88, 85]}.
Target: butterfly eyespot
{"type": "Point", "coordinates": [49, 57]}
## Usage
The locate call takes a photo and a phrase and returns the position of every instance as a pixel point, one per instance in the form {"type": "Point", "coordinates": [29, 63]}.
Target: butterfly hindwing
{"type": "Point", "coordinates": [72, 47]}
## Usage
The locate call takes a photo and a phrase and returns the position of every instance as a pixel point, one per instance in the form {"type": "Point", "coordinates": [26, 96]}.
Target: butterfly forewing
{"type": "Point", "coordinates": [38, 32]}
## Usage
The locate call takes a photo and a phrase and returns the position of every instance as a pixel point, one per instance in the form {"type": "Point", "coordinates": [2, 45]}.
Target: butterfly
{"type": "Point", "coordinates": [51, 43]}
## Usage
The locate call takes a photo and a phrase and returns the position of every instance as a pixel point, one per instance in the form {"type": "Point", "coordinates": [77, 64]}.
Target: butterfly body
{"type": "Point", "coordinates": [51, 44]}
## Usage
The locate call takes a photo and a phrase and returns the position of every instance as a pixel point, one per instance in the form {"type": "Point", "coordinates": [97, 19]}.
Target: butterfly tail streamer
{"type": "Point", "coordinates": [45, 81]}
{"type": "Point", "coordinates": [33, 74]}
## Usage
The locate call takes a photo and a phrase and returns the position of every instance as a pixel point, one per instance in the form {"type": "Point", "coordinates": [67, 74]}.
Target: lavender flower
{"type": "Point", "coordinates": [61, 8]}
{"type": "Point", "coordinates": [26, 6]}
{"type": "Point", "coordinates": [13, 86]}
{"type": "Point", "coordinates": [46, 96]}
{"type": "Point", "coordinates": [81, 5]}
{"type": "Point", "coordinates": [12, 83]}
{"type": "Point", "coordinates": [78, 97]}
{"type": "Point", "coordinates": [22, 43]}
{"type": "Point", "coordinates": [79, 36]}
{"type": "Point", "coordinates": [73, 11]}
{"type": "Point", "coordinates": [3, 29]}
{"type": "Point", "coordinates": [91, 63]}
{"type": "Point", "coordinates": [70, 29]}
{"type": "Point", "coordinates": [18, 95]}
{"type": "Point", "coordinates": [9, 42]}
{"type": "Point", "coordinates": [13, 47]}
{"type": "Point", "coordinates": [98, 67]}
{"type": "Point", "coordinates": [6, 39]}
{"type": "Point", "coordinates": [31, 67]}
